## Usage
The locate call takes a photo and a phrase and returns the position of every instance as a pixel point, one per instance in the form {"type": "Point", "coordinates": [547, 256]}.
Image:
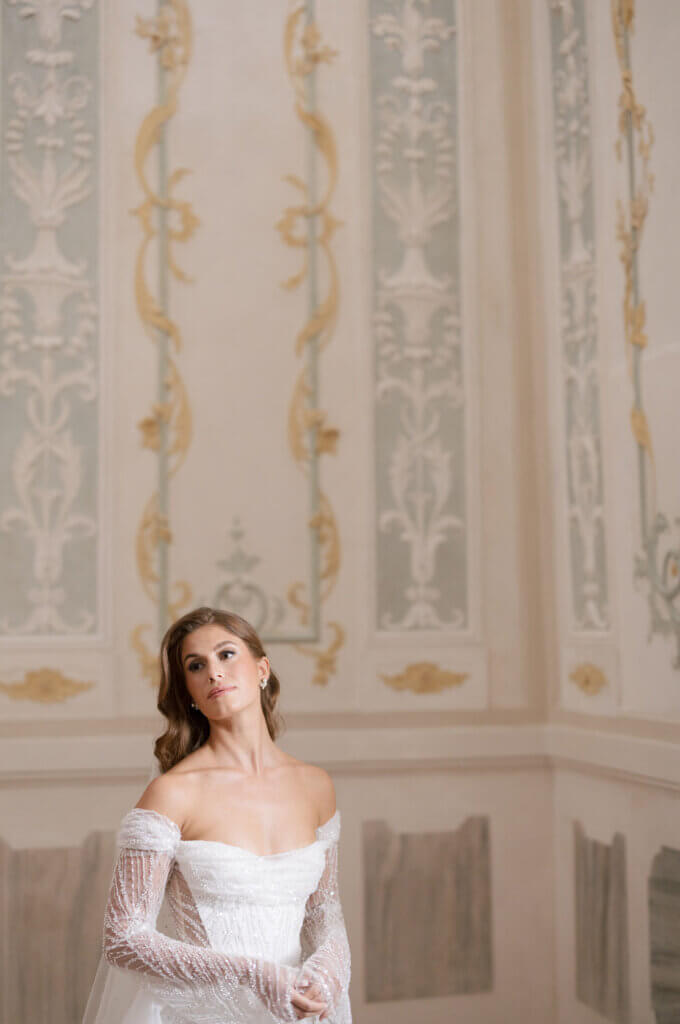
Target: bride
{"type": "Point", "coordinates": [242, 841]}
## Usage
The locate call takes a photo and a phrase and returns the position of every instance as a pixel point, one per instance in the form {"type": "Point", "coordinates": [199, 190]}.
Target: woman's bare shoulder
{"type": "Point", "coordinates": [168, 794]}
{"type": "Point", "coordinates": [321, 788]}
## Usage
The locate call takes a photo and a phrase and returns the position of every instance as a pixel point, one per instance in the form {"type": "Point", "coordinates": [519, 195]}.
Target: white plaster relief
{"type": "Point", "coordinates": [48, 318]}
{"type": "Point", "coordinates": [588, 583]}
{"type": "Point", "coordinates": [417, 326]}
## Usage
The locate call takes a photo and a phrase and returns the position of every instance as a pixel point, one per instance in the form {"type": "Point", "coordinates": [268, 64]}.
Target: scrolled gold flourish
{"type": "Point", "coordinates": [309, 434]}
{"type": "Point", "coordinates": [148, 662]}
{"type": "Point", "coordinates": [424, 677]}
{"type": "Point", "coordinates": [170, 36]}
{"type": "Point", "coordinates": [303, 418]}
{"type": "Point", "coordinates": [325, 665]}
{"type": "Point", "coordinates": [589, 678]}
{"type": "Point", "coordinates": [45, 686]}
{"type": "Point", "coordinates": [630, 221]}
{"type": "Point", "coordinates": [295, 598]}
{"type": "Point", "coordinates": [329, 540]}
{"type": "Point", "coordinates": [169, 32]}
{"type": "Point", "coordinates": [150, 426]}
{"type": "Point", "coordinates": [641, 432]}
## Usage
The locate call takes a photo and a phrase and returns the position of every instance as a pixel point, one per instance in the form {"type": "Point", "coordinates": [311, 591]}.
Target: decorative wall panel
{"type": "Point", "coordinates": [664, 935]}
{"type": "Point", "coordinates": [421, 470]}
{"type": "Point", "coordinates": [657, 560]}
{"type": "Point", "coordinates": [602, 970]}
{"type": "Point", "coordinates": [230, 565]}
{"type": "Point", "coordinates": [610, 142]}
{"type": "Point", "coordinates": [166, 430]}
{"type": "Point", "coordinates": [578, 321]}
{"type": "Point", "coordinates": [49, 355]}
{"type": "Point", "coordinates": [427, 912]}
{"type": "Point", "coordinates": [53, 908]}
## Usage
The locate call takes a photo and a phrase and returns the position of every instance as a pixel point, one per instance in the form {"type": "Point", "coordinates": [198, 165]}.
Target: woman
{"type": "Point", "coordinates": [225, 832]}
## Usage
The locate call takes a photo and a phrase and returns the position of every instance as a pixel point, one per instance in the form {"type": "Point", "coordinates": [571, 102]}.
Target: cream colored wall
{"type": "Point", "coordinates": [492, 724]}
{"type": "Point", "coordinates": [410, 800]}
{"type": "Point", "coordinates": [646, 817]}
{"type": "Point", "coordinates": [625, 649]}
{"type": "Point", "coordinates": [612, 684]}
{"type": "Point", "coordinates": [357, 697]}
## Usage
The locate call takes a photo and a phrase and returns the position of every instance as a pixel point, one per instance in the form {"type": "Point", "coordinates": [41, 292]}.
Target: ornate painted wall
{"type": "Point", "coordinates": [212, 392]}
{"type": "Point", "coordinates": [607, 180]}
{"type": "Point", "coordinates": [608, 199]}
{"type": "Point", "coordinates": [357, 319]}
{"type": "Point", "coordinates": [258, 350]}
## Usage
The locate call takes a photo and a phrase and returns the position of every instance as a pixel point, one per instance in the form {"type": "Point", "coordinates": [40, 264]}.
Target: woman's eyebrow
{"type": "Point", "coordinates": [216, 648]}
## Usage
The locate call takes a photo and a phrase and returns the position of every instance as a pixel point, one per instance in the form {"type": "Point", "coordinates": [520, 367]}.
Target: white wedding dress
{"type": "Point", "coordinates": [245, 928]}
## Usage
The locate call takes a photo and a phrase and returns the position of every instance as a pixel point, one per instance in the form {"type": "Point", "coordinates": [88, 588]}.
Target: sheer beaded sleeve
{"type": "Point", "coordinates": [206, 985]}
{"type": "Point", "coordinates": [323, 937]}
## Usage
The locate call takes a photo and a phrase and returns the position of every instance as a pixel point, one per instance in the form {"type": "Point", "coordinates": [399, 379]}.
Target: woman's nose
{"type": "Point", "coordinates": [215, 671]}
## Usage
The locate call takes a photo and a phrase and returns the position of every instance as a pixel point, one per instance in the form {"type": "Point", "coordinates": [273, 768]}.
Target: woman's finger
{"type": "Point", "coordinates": [304, 1014]}
{"type": "Point", "coordinates": [312, 991]}
{"type": "Point", "coordinates": [305, 1003]}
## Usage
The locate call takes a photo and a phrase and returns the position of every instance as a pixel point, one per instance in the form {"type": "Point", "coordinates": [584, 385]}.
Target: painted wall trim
{"type": "Point", "coordinates": [119, 758]}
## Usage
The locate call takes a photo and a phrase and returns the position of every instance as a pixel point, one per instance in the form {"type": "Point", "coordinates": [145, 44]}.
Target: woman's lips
{"type": "Point", "coordinates": [222, 689]}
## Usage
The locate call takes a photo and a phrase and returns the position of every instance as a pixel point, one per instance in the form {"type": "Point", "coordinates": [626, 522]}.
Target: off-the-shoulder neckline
{"type": "Point", "coordinates": [242, 849]}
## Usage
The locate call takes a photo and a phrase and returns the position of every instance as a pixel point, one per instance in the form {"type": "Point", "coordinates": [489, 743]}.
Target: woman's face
{"type": "Point", "coordinates": [221, 673]}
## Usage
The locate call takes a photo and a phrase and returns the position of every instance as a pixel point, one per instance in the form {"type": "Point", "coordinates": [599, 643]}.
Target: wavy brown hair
{"type": "Point", "coordinates": [187, 728]}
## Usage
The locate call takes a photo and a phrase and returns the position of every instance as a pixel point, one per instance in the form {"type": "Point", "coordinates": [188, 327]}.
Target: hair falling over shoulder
{"type": "Point", "coordinates": [187, 729]}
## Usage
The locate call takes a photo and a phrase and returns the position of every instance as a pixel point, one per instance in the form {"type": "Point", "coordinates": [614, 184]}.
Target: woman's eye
{"type": "Point", "coordinates": [223, 654]}
{"type": "Point", "coordinates": [194, 666]}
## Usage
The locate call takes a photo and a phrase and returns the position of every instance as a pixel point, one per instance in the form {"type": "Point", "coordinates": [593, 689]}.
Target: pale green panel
{"type": "Point", "coordinates": [578, 324]}
{"type": "Point", "coordinates": [421, 472]}
{"type": "Point", "coordinates": [48, 319]}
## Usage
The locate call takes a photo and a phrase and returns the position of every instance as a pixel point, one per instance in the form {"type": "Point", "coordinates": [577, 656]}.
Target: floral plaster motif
{"type": "Point", "coordinates": [240, 592]}
{"type": "Point", "coordinates": [421, 472]}
{"type": "Point", "coordinates": [578, 319]}
{"type": "Point", "coordinates": [50, 15]}
{"type": "Point", "coordinates": [48, 320]}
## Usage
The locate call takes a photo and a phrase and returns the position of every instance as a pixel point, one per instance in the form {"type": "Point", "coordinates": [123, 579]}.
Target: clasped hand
{"type": "Point", "coordinates": [283, 987]}
{"type": "Point", "coordinates": [307, 999]}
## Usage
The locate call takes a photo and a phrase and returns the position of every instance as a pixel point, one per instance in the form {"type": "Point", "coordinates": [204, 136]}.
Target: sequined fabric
{"type": "Point", "coordinates": [246, 926]}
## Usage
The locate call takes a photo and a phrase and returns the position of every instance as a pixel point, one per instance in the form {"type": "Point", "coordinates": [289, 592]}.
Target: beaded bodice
{"type": "Point", "coordinates": [248, 903]}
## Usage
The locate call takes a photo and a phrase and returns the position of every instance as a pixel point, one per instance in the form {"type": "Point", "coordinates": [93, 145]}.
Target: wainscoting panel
{"type": "Point", "coordinates": [601, 925]}
{"type": "Point", "coordinates": [428, 911]}
{"type": "Point", "coordinates": [664, 935]}
{"type": "Point", "coordinates": [52, 915]}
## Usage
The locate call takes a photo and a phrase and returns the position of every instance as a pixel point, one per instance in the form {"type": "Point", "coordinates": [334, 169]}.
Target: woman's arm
{"type": "Point", "coordinates": [323, 936]}
{"type": "Point", "coordinates": [194, 978]}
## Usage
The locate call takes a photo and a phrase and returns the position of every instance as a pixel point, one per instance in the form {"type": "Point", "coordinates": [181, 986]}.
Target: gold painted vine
{"type": "Point", "coordinates": [170, 36]}
{"type": "Point", "coordinates": [309, 434]}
